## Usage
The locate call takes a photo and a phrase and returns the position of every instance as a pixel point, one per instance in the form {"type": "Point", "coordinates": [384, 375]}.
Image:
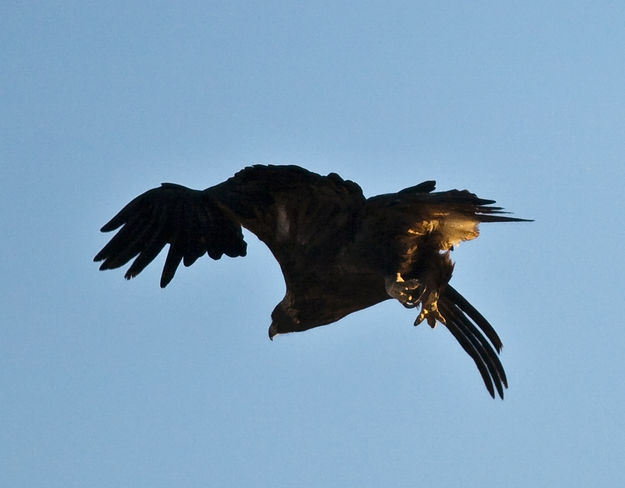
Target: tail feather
{"type": "Point", "coordinates": [461, 319]}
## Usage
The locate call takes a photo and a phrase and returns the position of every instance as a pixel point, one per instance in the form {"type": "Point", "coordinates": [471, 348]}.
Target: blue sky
{"type": "Point", "coordinates": [112, 383]}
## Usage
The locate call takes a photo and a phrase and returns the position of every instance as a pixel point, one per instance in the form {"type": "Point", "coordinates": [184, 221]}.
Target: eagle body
{"type": "Point", "coordinates": [339, 252]}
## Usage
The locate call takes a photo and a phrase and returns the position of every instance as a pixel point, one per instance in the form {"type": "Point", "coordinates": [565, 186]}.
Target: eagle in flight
{"type": "Point", "coordinates": [339, 252]}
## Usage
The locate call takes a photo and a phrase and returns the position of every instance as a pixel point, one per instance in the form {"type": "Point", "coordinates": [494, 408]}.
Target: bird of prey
{"type": "Point", "coordinates": [339, 252]}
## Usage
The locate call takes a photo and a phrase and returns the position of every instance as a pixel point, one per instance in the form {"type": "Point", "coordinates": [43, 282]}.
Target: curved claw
{"type": "Point", "coordinates": [430, 314]}
{"type": "Point", "coordinates": [408, 293]}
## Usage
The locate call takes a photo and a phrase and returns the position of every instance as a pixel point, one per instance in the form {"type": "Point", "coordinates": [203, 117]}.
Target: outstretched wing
{"type": "Point", "coordinates": [425, 226]}
{"type": "Point", "coordinates": [190, 221]}
{"type": "Point", "coordinates": [397, 227]}
{"type": "Point", "coordinates": [285, 206]}
{"type": "Point", "coordinates": [476, 336]}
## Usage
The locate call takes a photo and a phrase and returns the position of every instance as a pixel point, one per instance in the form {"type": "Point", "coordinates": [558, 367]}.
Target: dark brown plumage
{"type": "Point", "coordinates": [339, 252]}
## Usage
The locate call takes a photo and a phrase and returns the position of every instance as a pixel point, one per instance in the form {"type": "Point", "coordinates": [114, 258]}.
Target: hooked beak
{"type": "Point", "coordinates": [273, 330]}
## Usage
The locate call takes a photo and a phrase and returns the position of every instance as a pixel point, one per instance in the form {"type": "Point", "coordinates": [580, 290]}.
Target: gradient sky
{"type": "Point", "coordinates": [108, 383]}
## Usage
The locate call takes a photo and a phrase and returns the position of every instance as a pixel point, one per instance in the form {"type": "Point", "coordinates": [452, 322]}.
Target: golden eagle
{"type": "Point", "coordinates": [339, 252]}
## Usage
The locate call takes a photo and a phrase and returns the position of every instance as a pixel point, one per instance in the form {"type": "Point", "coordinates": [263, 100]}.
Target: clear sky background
{"type": "Point", "coordinates": [108, 383]}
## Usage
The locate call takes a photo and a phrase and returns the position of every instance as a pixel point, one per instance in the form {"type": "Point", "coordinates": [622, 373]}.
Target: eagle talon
{"type": "Point", "coordinates": [429, 312]}
{"type": "Point", "coordinates": [411, 293]}
{"type": "Point", "coordinates": [431, 317]}
{"type": "Point", "coordinates": [407, 292]}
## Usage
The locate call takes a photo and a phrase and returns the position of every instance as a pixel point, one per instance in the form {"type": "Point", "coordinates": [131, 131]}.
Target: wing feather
{"type": "Point", "coordinates": [190, 221]}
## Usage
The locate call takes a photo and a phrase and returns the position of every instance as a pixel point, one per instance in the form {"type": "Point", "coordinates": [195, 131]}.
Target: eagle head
{"type": "Point", "coordinates": [282, 321]}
